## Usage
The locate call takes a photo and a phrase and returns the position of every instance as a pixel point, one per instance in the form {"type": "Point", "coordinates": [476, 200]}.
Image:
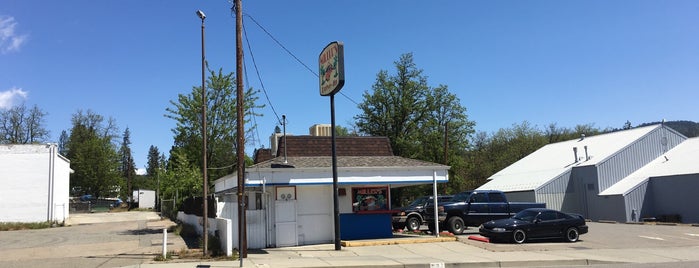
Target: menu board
{"type": "Point", "coordinates": [370, 198]}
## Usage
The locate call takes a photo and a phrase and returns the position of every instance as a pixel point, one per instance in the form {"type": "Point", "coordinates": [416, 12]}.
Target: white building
{"type": "Point", "coordinates": [625, 176]}
{"type": "Point", "coordinates": [35, 183]}
{"type": "Point", "coordinates": [290, 199]}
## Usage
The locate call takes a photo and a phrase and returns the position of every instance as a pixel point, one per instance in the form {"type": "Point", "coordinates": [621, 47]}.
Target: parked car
{"type": "Point", "coordinates": [412, 216]}
{"type": "Point", "coordinates": [472, 208]}
{"type": "Point", "coordinates": [536, 223]}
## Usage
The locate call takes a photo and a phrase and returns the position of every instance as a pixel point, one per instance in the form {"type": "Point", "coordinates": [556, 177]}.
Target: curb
{"type": "Point", "coordinates": [393, 241]}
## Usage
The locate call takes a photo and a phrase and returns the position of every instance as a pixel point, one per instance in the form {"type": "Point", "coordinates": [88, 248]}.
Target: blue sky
{"type": "Point", "coordinates": [564, 62]}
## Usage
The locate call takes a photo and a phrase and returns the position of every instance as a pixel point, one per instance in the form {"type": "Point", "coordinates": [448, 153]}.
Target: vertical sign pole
{"type": "Point", "coordinates": [336, 202]}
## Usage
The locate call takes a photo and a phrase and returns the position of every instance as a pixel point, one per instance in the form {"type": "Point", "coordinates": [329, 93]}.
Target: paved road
{"type": "Point", "coordinates": [93, 240]}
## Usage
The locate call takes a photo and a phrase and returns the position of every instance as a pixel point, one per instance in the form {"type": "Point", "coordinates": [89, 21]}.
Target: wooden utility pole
{"type": "Point", "coordinates": [240, 152]}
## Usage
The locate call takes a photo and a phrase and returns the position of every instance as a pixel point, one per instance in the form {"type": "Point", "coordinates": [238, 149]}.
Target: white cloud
{"type": "Point", "coordinates": [12, 97]}
{"type": "Point", "coordinates": [141, 171]}
{"type": "Point", "coordinates": [9, 40]}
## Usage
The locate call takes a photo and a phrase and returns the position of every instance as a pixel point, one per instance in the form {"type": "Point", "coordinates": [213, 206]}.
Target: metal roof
{"type": "Point", "coordinates": [554, 159]}
{"type": "Point", "coordinates": [680, 160]}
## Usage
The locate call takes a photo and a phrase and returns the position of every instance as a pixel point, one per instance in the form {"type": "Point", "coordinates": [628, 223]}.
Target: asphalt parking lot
{"type": "Point", "coordinates": [93, 240]}
{"type": "Point", "coordinates": [133, 239]}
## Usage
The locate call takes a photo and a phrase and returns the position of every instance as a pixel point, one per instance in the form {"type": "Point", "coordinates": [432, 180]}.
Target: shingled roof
{"type": "Point", "coordinates": [305, 146]}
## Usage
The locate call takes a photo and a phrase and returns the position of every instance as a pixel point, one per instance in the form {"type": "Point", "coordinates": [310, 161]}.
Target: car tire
{"type": "Point", "coordinates": [572, 235]}
{"type": "Point", "coordinates": [519, 236]}
{"type": "Point", "coordinates": [456, 225]}
{"type": "Point", "coordinates": [413, 224]}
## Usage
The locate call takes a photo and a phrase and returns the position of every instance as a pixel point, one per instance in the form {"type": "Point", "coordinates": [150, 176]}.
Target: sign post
{"type": "Point", "coordinates": [331, 79]}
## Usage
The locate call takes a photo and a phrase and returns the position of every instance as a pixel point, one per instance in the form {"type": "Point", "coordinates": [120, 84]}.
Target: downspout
{"type": "Point", "coordinates": [50, 208]}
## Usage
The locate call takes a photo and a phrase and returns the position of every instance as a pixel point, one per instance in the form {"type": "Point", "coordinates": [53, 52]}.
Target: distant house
{"type": "Point", "coordinates": [35, 183]}
{"type": "Point", "coordinates": [625, 176]}
{"type": "Point", "coordinates": [289, 197]}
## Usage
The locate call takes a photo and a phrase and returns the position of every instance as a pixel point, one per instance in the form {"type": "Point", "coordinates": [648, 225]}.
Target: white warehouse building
{"type": "Point", "coordinates": [624, 176]}
{"type": "Point", "coordinates": [35, 183]}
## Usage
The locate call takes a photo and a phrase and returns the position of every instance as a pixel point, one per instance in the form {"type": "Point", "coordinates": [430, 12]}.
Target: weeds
{"type": "Point", "coordinates": [13, 226]}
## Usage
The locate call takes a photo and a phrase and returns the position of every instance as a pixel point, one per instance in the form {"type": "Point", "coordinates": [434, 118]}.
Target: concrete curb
{"type": "Point", "coordinates": [394, 241]}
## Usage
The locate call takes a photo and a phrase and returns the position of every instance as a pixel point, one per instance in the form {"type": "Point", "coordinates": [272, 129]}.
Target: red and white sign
{"type": "Point", "coordinates": [332, 68]}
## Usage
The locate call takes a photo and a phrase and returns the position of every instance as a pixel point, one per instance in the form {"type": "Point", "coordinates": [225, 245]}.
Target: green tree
{"type": "Point", "coordinates": [127, 166]}
{"type": "Point", "coordinates": [93, 154]}
{"type": "Point", "coordinates": [221, 123]}
{"type": "Point", "coordinates": [182, 179]}
{"type": "Point", "coordinates": [20, 125]}
{"type": "Point", "coordinates": [153, 165]}
{"type": "Point", "coordinates": [415, 116]}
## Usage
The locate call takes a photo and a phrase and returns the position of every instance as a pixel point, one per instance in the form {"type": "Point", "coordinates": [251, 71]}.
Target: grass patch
{"type": "Point", "coordinates": [13, 226]}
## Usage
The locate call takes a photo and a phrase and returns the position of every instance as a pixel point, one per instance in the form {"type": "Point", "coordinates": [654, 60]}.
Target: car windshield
{"type": "Point", "coordinates": [526, 215]}
{"type": "Point", "coordinates": [461, 197]}
{"type": "Point", "coordinates": [418, 201]}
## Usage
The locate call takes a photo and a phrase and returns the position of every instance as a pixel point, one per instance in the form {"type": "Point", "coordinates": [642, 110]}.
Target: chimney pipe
{"type": "Point", "coordinates": [285, 145]}
{"type": "Point", "coordinates": [575, 154]}
{"type": "Point", "coordinates": [587, 157]}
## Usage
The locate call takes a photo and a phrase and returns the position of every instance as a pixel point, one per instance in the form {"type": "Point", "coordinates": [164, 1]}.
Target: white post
{"type": "Point", "coordinates": [164, 243]}
{"type": "Point", "coordinates": [434, 193]}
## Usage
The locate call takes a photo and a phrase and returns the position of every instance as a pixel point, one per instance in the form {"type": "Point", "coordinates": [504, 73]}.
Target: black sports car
{"type": "Point", "coordinates": [535, 223]}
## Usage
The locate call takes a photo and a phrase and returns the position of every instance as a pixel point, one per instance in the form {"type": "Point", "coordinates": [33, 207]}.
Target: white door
{"type": "Point", "coordinates": [285, 223]}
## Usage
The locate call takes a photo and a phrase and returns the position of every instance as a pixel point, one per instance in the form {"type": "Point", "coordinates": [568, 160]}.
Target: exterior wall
{"type": "Point", "coordinates": [35, 183]}
{"type": "Point", "coordinates": [609, 208]}
{"type": "Point", "coordinates": [639, 203]}
{"type": "Point", "coordinates": [315, 214]}
{"type": "Point", "coordinates": [676, 195]}
{"type": "Point", "coordinates": [554, 192]}
{"type": "Point", "coordinates": [636, 155]}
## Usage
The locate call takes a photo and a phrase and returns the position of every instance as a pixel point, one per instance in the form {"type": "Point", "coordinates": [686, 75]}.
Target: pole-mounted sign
{"type": "Point", "coordinates": [332, 77]}
{"type": "Point", "coordinates": [332, 68]}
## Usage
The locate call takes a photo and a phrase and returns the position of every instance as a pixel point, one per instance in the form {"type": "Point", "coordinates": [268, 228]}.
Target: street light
{"type": "Point", "coordinates": [202, 16]}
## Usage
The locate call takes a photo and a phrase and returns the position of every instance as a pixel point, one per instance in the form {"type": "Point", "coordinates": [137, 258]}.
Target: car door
{"type": "Point", "coordinates": [545, 225]}
{"type": "Point", "coordinates": [478, 210]}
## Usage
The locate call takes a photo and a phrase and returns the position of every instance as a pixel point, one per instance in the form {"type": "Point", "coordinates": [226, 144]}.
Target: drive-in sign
{"type": "Point", "coordinates": [332, 68]}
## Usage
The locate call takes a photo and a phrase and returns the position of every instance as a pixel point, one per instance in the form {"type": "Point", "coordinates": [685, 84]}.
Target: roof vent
{"type": "Point", "coordinates": [575, 154]}
{"type": "Point", "coordinates": [582, 136]}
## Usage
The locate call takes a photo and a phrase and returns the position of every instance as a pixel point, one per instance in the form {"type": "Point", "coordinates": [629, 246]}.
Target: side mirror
{"type": "Point", "coordinates": [537, 220]}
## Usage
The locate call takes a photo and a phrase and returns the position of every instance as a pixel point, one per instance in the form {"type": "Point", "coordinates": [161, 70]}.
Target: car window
{"type": "Point", "coordinates": [444, 198]}
{"type": "Point", "coordinates": [548, 216]}
{"type": "Point", "coordinates": [526, 215]}
{"type": "Point", "coordinates": [496, 198]}
{"type": "Point", "coordinates": [479, 198]}
{"type": "Point", "coordinates": [461, 197]}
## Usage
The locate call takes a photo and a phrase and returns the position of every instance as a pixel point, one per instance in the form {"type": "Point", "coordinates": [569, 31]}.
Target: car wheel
{"type": "Point", "coordinates": [519, 236]}
{"type": "Point", "coordinates": [456, 225]}
{"type": "Point", "coordinates": [413, 224]}
{"type": "Point", "coordinates": [572, 234]}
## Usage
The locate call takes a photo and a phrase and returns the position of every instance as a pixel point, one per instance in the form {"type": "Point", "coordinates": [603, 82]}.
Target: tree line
{"type": "Point", "coordinates": [421, 121]}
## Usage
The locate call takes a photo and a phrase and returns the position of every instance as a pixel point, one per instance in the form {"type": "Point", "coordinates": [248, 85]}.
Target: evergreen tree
{"type": "Point", "coordinates": [127, 167]}
{"type": "Point", "coordinates": [93, 155]}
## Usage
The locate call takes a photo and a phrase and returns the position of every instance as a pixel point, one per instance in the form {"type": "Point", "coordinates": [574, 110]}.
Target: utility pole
{"type": "Point", "coordinates": [240, 152]}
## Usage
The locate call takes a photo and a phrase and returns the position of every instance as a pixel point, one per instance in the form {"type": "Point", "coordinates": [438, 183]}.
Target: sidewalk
{"type": "Point", "coordinates": [439, 254]}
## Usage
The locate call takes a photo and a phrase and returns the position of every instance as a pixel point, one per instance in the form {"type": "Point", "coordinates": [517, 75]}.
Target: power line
{"type": "Point", "coordinates": [289, 52]}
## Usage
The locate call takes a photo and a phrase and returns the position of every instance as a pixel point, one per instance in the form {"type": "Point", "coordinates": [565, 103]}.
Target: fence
{"type": "Point", "coordinates": [168, 208]}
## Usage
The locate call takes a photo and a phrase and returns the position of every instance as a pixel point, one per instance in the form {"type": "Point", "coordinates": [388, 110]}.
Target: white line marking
{"type": "Point", "coordinates": [650, 237]}
{"type": "Point", "coordinates": [692, 234]}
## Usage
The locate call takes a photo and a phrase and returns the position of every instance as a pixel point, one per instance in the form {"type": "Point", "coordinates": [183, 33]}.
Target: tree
{"type": "Point", "coordinates": [19, 125]}
{"type": "Point", "coordinates": [127, 167]}
{"type": "Point", "coordinates": [93, 155]}
{"type": "Point", "coordinates": [415, 116]}
{"type": "Point", "coordinates": [221, 122]}
{"type": "Point", "coordinates": [182, 179]}
{"type": "Point", "coordinates": [153, 165]}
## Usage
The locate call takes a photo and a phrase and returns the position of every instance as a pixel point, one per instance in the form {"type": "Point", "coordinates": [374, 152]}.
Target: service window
{"type": "Point", "coordinates": [370, 199]}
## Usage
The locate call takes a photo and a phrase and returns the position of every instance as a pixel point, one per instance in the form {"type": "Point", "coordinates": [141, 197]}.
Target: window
{"type": "Point", "coordinates": [479, 198]}
{"type": "Point", "coordinates": [497, 198]}
{"type": "Point", "coordinates": [547, 216]}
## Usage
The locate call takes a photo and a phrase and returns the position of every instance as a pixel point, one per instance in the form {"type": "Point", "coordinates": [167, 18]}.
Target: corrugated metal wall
{"type": "Point", "coordinates": [636, 155]}
{"type": "Point", "coordinates": [634, 203]}
{"type": "Point", "coordinates": [553, 193]}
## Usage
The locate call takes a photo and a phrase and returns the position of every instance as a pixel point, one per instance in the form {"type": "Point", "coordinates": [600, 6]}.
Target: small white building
{"type": "Point", "coordinates": [144, 198]}
{"type": "Point", "coordinates": [35, 183]}
{"type": "Point", "coordinates": [290, 198]}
